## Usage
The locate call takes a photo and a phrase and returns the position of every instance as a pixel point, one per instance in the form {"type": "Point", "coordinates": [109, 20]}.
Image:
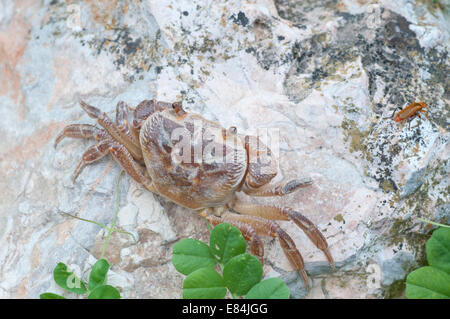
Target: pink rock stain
{"type": "Point", "coordinates": [29, 147]}
{"type": "Point", "coordinates": [13, 41]}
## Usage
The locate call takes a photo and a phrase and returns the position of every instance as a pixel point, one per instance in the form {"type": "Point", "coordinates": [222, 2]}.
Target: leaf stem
{"type": "Point", "coordinates": [101, 225]}
{"type": "Point", "coordinates": [110, 229]}
{"type": "Point", "coordinates": [433, 223]}
{"type": "Point", "coordinates": [207, 224]}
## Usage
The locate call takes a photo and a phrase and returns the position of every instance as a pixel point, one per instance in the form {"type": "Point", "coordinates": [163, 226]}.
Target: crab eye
{"type": "Point", "coordinates": [178, 108]}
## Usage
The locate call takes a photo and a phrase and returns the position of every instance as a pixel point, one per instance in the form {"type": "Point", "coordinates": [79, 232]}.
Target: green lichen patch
{"type": "Point", "coordinates": [339, 218]}
{"type": "Point", "coordinates": [388, 186]}
{"type": "Point", "coordinates": [356, 138]}
{"type": "Point", "coordinates": [132, 54]}
{"type": "Point", "coordinates": [103, 28]}
{"type": "Point", "coordinates": [400, 233]}
{"type": "Point", "coordinates": [396, 290]}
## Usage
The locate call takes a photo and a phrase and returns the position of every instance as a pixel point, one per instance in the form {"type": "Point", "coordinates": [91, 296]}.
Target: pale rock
{"type": "Point", "coordinates": [326, 77]}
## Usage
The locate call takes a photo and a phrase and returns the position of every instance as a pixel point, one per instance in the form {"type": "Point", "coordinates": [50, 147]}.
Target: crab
{"type": "Point", "coordinates": [152, 149]}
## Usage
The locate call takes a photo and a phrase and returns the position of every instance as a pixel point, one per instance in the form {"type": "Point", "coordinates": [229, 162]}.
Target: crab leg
{"type": "Point", "coordinates": [131, 167]}
{"type": "Point", "coordinates": [80, 131]}
{"type": "Point", "coordinates": [122, 111]}
{"type": "Point", "coordinates": [280, 189]}
{"type": "Point", "coordinates": [123, 137]}
{"type": "Point", "coordinates": [269, 228]}
{"type": "Point", "coordinates": [284, 213]}
{"type": "Point", "coordinates": [249, 233]}
{"type": "Point", "coordinates": [92, 154]}
{"type": "Point", "coordinates": [145, 109]}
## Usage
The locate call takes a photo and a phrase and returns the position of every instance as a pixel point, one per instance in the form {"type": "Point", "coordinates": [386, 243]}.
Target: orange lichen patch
{"type": "Point", "coordinates": [104, 11]}
{"type": "Point", "coordinates": [125, 8]}
{"type": "Point", "coordinates": [13, 41]}
{"type": "Point", "coordinates": [340, 6]}
{"type": "Point", "coordinates": [29, 147]}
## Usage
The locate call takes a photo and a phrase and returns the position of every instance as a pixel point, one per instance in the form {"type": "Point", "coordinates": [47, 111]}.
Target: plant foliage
{"type": "Point", "coordinates": [241, 272]}
{"type": "Point", "coordinates": [433, 281]}
{"type": "Point", "coordinates": [97, 288]}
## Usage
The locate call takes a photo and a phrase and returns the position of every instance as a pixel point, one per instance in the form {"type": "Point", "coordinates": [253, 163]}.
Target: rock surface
{"type": "Point", "coordinates": [327, 74]}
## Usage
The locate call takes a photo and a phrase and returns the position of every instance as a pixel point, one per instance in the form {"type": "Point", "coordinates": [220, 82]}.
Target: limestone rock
{"type": "Point", "coordinates": [327, 75]}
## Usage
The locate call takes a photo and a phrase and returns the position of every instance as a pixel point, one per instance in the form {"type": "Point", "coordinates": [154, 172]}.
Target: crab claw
{"type": "Point", "coordinates": [92, 111]}
{"type": "Point", "coordinates": [295, 184]}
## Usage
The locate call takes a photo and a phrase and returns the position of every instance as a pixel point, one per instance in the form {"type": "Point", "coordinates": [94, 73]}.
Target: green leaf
{"type": "Point", "coordinates": [204, 283]}
{"type": "Point", "coordinates": [67, 280]}
{"type": "Point", "coordinates": [190, 255]}
{"type": "Point", "coordinates": [272, 288]}
{"type": "Point", "coordinates": [97, 277]}
{"type": "Point", "coordinates": [241, 273]}
{"type": "Point", "coordinates": [104, 292]}
{"type": "Point", "coordinates": [428, 283]}
{"type": "Point", "coordinates": [50, 295]}
{"type": "Point", "coordinates": [226, 241]}
{"type": "Point", "coordinates": [438, 249]}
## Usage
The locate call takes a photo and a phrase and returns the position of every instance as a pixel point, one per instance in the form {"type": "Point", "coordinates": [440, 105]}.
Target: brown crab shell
{"type": "Point", "coordinates": [192, 161]}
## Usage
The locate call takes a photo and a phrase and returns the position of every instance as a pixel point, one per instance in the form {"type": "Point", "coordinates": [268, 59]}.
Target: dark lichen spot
{"type": "Point", "coordinates": [131, 46]}
{"type": "Point", "coordinates": [185, 13]}
{"type": "Point", "coordinates": [120, 61]}
{"type": "Point", "coordinates": [397, 34]}
{"type": "Point", "coordinates": [319, 74]}
{"type": "Point", "coordinates": [241, 19]}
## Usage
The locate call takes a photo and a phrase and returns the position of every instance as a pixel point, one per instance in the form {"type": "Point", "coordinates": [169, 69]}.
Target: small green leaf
{"type": "Point", "coordinates": [438, 249]}
{"type": "Point", "coordinates": [226, 241]}
{"type": "Point", "coordinates": [241, 273]}
{"type": "Point", "coordinates": [428, 283]}
{"type": "Point", "coordinates": [67, 280]}
{"type": "Point", "coordinates": [50, 295]}
{"type": "Point", "coordinates": [104, 292]}
{"type": "Point", "coordinates": [190, 255]}
{"type": "Point", "coordinates": [97, 277]}
{"type": "Point", "coordinates": [272, 288]}
{"type": "Point", "coordinates": [204, 283]}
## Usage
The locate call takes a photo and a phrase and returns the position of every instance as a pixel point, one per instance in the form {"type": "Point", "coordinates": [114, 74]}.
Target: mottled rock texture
{"type": "Point", "coordinates": [328, 74]}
